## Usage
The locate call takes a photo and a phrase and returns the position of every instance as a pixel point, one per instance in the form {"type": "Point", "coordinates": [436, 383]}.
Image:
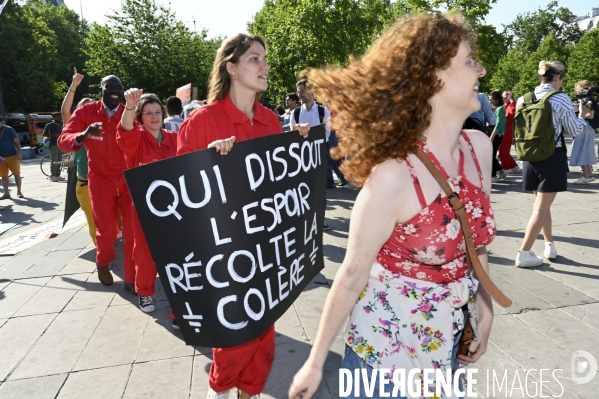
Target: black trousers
{"type": "Point", "coordinates": [496, 165]}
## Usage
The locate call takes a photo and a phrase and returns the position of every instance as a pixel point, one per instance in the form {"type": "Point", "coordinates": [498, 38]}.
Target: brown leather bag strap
{"type": "Point", "coordinates": [471, 256]}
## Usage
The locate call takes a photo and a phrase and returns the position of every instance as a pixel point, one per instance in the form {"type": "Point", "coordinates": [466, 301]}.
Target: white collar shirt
{"type": "Point", "coordinates": [311, 116]}
{"type": "Point", "coordinates": [110, 112]}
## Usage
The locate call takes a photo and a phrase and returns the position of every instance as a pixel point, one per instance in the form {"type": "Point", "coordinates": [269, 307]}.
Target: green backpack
{"type": "Point", "coordinates": [533, 128]}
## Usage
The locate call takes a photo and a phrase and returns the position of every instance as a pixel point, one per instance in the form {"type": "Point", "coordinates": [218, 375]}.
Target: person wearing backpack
{"type": "Point", "coordinates": [542, 118]}
{"type": "Point", "coordinates": [311, 112]}
{"type": "Point", "coordinates": [583, 147]}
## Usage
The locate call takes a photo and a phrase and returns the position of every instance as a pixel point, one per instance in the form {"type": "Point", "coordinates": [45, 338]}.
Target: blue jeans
{"type": "Point", "coordinates": [352, 361]}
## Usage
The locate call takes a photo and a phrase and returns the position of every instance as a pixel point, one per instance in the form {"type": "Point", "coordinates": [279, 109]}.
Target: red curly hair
{"type": "Point", "coordinates": [381, 101]}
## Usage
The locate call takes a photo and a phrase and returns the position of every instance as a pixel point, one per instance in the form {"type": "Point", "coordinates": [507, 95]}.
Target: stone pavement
{"type": "Point", "coordinates": [64, 335]}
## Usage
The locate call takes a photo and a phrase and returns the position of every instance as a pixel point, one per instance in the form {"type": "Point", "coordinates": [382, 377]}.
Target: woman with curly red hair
{"type": "Point", "coordinates": [404, 281]}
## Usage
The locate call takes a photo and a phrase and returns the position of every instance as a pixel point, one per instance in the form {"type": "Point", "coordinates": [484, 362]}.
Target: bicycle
{"type": "Point", "coordinates": [65, 164]}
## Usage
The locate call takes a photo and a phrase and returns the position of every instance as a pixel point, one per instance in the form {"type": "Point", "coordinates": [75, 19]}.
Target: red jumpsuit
{"type": "Point", "coordinates": [107, 187]}
{"type": "Point", "coordinates": [245, 366]}
{"type": "Point", "coordinates": [140, 148]}
{"type": "Point", "coordinates": [506, 159]}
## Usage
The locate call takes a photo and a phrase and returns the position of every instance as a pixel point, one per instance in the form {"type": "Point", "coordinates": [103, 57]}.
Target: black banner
{"type": "Point", "coordinates": [71, 203]}
{"type": "Point", "coordinates": [235, 238]}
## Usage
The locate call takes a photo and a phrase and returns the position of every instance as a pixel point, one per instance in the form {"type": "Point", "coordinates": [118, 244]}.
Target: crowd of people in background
{"type": "Point", "coordinates": [379, 134]}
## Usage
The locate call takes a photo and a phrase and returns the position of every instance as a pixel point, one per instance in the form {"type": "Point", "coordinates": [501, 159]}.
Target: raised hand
{"type": "Point", "coordinates": [132, 97]}
{"type": "Point", "coordinates": [77, 78]}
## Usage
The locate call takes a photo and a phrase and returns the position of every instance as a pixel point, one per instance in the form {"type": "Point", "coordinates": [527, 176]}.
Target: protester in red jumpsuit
{"type": "Point", "coordinates": [234, 114]}
{"type": "Point", "coordinates": [142, 139]}
{"type": "Point", "coordinates": [507, 161]}
{"type": "Point", "coordinates": [95, 124]}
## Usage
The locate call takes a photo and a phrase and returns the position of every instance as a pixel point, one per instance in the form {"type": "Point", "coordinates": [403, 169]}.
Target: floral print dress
{"type": "Point", "coordinates": [411, 308]}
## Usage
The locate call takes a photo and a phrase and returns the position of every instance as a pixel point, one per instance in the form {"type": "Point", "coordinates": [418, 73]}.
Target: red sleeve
{"type": "Point", "coordinates": [274, 124]}
{"type": "Point", "coordinates": [76, 125]}
{"type": "Point", "coordinates": [128, 141]}
{"type": "Point", "coordinates": [192, 135]}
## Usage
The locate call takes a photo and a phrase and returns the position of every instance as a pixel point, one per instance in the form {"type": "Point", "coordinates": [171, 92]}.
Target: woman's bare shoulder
{"type": "Point", "coordinates": [480, 142]}
{"type": "Point", "coordinates": [388, 181]}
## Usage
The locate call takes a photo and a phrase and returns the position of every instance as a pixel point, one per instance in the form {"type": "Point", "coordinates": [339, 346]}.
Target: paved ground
{"type": "Point", "coordinates": [64, 335]}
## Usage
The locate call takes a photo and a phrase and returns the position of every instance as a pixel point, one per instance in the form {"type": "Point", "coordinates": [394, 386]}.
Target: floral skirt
{"type": "Point", "coordinates": [404, 323]}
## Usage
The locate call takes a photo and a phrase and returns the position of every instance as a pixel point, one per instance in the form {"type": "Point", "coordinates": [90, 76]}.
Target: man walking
{"type": "Point", "coordinates": [95, 123]}
{"type": "Point", "coordinates": [10, 150]}
{"type": "Point", "coordinates": [52, 131]}
{"type": "Point", "coordinates": [310, 112]}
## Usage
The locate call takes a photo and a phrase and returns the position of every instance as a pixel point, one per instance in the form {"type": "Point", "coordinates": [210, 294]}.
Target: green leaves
{"type": "Point", "coordinates": [147, 47]}
{"type": "Point", "coordinates": [532, 37]}
{"type": "Point", "coordinates": [39, 43]}
{"type": "Point", "coordinates": [584, 61]}
{"type": "Point", "coordinates": [314, 33]}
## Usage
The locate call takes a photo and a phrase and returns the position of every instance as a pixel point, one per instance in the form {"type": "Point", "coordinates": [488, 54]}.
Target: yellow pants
{"type": "Point", "coordinates": [86, 205]}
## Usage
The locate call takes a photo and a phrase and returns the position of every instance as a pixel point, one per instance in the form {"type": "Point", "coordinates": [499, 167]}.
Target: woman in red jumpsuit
{"type": "Point", "coordinates": [142, 140]}
{"type": "Point", "coordinates": [239, 73]}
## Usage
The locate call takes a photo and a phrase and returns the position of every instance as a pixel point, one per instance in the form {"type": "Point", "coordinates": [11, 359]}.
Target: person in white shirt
{"type": "Point", "coordinates": [310, 112]}
{"type": "Point", "coordinates": [174, 109]}
{"type": "Point", "coordinates": [291, 101]}
{"type": "Point", "coordinates": [547, 178]}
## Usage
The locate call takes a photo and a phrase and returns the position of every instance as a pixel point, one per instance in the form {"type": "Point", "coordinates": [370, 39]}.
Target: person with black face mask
{"type": "Point", "coordinates": [95, 123]}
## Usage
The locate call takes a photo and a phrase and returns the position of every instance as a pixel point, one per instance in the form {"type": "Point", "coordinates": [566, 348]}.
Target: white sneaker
{"type": "Point", "coordinates": [220, 395]}
{"type": "Point", "coordinates": [584, 180]}
{"type": "Point", "coordinates": [494, 179]}
{"type": "Point", "coordinates": [528, 259]}
{"type": "Point", "coordinates": [515, 169]}
{"type": "Point", "coordinates": [550, 251]}
{"type": "Point", "coordinates": [146, 304]}
{"type": "Point", "coordinates": [502, 174]}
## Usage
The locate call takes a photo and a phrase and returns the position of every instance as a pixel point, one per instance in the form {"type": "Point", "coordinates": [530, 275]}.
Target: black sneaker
{"type": "Point", "coordinates": [146, 304]}
{"type": "Point", "coordinates": [176, 325]}
{"type": "Point", "coordinates": [326, 227]}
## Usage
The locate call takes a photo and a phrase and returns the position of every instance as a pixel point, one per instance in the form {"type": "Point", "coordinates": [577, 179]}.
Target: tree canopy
{"type": "Point", "coordinates": [312, 33]}
{"type": "Point", "coordinates": [584, 61]}
{"type": "Point", "coordinates": [147, 47]}
{"type": "Point", "coordinates": [39, 44]}
{"type": "Point", "coordinates": [532, 37]}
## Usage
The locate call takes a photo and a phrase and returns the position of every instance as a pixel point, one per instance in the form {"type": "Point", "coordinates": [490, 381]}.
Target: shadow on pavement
{"type": "Point", "coordinates": [289, 358]}
{"type": "Point", "coordinates": [579, 241]}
